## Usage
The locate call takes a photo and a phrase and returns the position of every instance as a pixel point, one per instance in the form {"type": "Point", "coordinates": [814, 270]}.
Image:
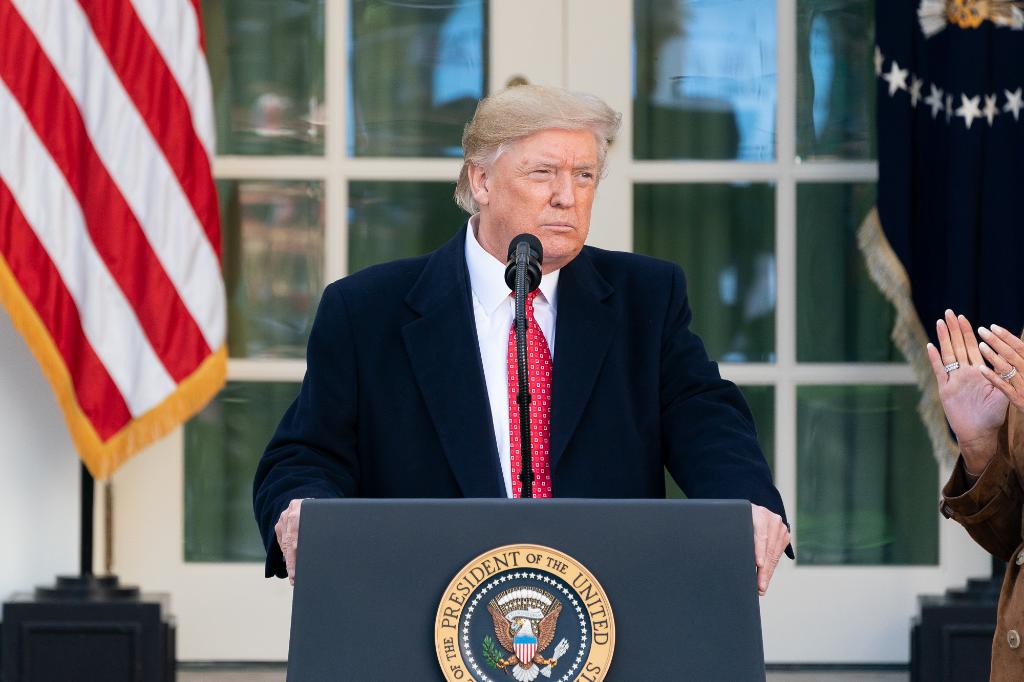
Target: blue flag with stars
{"type": "Point", "coordinates": [948, 231]}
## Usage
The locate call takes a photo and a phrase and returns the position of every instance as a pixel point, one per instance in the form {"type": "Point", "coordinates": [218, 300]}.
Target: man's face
{"type": "Point", "coordinates": [544, 184]}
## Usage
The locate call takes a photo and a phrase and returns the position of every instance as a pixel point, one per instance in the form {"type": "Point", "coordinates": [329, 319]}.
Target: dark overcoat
{"type": "Point", "coordinates": [394, 402]}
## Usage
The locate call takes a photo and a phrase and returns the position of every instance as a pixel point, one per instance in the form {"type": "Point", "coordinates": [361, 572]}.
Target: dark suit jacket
{"type": "Point", "coordinates": [394, 402]}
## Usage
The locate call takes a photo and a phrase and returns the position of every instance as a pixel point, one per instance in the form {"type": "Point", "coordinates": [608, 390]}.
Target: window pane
{"type": "Point", "coordinates": [417, 70]}
{"type": "Point", "coordinates": [835, 85]}
{"type": "Point", "coordinates": [267, 67]}
{"type": "Point", "coordinates": [273, 264]}
{"type": "Point", "coordinates": [762, 405]}
{"type": "Point", "coordinates": [841, 314]}
{"type": "Point", "coordinates": [867, 482]}
{"type": "Point", "coordinates": [704, 79]}
{"type": "Point", "coordinates": [724, 238]}
{"type": "Point", "coordinates": [223, 444]}
{"type": "Point", "coordinates": [389, 220]}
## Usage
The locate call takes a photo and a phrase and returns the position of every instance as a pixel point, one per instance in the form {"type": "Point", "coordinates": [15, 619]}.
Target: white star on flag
{"type": "Point", "coordinates": [968, 109]}
{"type": "Point", "coordinates": [896, 78]}
{"type": "Point", "coordinates": [915, 91]}
{"type": "Point", "coordinates": [991, 110]}
{"type": "Point", "coordinates": [934, 100]}
{"type": "Point", "coordinates": [1014, 102]}
{"type": "Point", "coordinates": [879, 61]}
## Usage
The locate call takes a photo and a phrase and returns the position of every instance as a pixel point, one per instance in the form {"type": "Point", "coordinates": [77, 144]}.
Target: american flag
{"type": "Point", "coordinates": [109, 230]}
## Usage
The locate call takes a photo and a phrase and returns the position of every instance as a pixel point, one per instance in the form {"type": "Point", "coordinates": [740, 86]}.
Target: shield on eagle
{"type": "Point", "coordinates": [525, 645]}
{"type": "Point", "coordinates": [525, 620]}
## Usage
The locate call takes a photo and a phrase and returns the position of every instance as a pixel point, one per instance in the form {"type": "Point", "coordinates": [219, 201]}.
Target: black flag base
{"type": "Point", "coordinates": [87, 628]}
{"type": "Point", "coordinates": [951, 639]}
{"type": "Point", "coordinates": [87, 587]}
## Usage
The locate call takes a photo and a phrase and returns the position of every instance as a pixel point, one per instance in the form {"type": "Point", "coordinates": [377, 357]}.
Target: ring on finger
{"type": "Point", "coordinates": [1009, 375]}
{"type": "Point", "coordinates": [951, 366]}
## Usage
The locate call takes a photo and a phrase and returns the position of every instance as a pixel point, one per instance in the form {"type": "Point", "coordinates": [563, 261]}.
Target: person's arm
{"type": "Point", "coordinates": [313, 453]}
{"type": "Point", "coordinates": [983, 493]}
{"type": "Point", "coordinates": [990, 504]}
{"type": "Point", "coordinates": [709, 436]}
{"type": "Point", "coordinates": [989, 507]}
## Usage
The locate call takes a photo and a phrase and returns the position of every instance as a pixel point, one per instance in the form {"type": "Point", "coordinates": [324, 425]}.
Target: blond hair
{"type": "Point", "coordinates": [522, 110]}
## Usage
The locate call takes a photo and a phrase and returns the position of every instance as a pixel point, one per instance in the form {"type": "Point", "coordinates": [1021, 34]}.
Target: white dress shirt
{"type": "Point", "coordinates": [493, 310]}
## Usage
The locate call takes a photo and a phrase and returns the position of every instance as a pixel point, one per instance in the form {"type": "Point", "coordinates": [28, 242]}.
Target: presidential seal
{"type": "Point", "coordinates": [524, 612]}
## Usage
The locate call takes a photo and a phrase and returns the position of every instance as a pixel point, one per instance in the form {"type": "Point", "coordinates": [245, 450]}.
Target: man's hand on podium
{"type": "Point", "coordinates": [771, 537]}
{"type": "Point", "coordinates": [287, 530]}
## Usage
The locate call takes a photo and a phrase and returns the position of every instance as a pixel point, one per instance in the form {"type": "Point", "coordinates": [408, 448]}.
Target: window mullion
{"type": "Point", "coordinates": [785, 258]}
{"type": "Point", "coordinates": [336, 183]}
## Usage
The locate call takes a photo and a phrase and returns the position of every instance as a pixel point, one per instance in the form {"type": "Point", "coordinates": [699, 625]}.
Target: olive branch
{"type": "Point", "coordinates": [492, 654]}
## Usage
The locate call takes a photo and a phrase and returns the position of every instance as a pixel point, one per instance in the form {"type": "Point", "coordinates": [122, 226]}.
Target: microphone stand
{"type": "Point", "coordinates": [523, 397]}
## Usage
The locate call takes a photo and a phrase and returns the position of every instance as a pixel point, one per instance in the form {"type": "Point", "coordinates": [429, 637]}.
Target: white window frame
{"type": "Point", "coordinates": [813, 614]}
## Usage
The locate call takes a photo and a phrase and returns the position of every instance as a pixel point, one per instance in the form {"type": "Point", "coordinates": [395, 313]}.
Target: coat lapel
{"type": "Point", "coordinates": [584, 329]}
{"type": "Point", "coordinates": [445, 356]}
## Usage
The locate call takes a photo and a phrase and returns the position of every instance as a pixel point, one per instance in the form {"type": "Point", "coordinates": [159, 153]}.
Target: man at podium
{"type": "Point", "coordinates": [410, 388]}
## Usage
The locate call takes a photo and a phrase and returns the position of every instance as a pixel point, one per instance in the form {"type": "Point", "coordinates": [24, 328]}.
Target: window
{"type": "Point", "coordinates": [749, 162]}
{"type": "Point", "coordinates": [306, 197]}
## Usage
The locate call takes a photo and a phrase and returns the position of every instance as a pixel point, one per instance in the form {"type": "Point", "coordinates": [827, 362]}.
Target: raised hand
{"type": "Point", "coordinates": [1005, 352]}
{"type": "Point", "coordinates": [974, 407]}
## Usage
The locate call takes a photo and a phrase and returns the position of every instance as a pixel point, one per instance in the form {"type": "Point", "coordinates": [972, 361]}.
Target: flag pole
{"type": "Point", "coordinates": [86, 535]}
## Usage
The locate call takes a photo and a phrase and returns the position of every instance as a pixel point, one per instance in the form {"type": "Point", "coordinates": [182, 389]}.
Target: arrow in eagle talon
{"type": "Point", "coordinates": [560, 650]}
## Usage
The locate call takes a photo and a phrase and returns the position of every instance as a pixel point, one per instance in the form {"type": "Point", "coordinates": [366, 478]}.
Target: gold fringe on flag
{"type": "Point", "coordinates": [908, 333]}
{"type": "Point", "coordinates": [102, 458]}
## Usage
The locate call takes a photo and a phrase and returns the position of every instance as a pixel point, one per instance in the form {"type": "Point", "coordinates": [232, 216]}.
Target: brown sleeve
{"type": "Point", "coordinates": [990, 509]}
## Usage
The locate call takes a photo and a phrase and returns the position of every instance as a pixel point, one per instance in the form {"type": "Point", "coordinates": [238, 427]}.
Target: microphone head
{"type": "Point", "coordinates": [531, 241]}
{"type": "Point", "coordinates": [534, 257]}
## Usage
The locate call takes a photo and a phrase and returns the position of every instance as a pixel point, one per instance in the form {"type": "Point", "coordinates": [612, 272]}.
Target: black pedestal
{"type": "Point", "coordinates": [951, 639]}
{"type": "Point", "coordinates": [87, 629]}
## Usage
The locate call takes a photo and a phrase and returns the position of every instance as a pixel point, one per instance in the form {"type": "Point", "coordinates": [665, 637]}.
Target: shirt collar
{"type": "Point", "coordinates": [487, 274]}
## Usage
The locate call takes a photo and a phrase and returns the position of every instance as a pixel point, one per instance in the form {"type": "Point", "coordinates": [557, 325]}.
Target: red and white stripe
{"type": "Point", "coordinates": [108, 210]}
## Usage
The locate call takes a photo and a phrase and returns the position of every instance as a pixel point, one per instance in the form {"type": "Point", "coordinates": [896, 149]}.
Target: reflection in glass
{"type": "Point", "coordinates": [761, 400]}
{"type": "Point", "coordinates": [223, 444]}
{"type": "Point", "coordinates": [835, 79]}
{"type": "Point", "coordinates": [841, 315]}
{"type": "Point", "coordinates": [704, 80]}
{"type": "Point", "coordinates": [417, 70]}
{"type": "Point", "coordinates": [389, 220]}
{"type": "Point", "coordinates": [267, 68]}
{"type": "Point", "coordinates": [866, 478]}
{"type": "Point", "coordinates": [723, 236]}
{"type": "Point", "coordinates": [273, 264]}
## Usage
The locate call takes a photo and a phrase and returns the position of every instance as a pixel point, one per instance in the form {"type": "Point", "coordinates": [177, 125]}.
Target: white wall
{"type": "Point", "coordinates": [39, 480]}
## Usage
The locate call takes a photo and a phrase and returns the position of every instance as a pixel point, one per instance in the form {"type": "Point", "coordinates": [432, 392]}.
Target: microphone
{"type": "Point", "coordinates": [531, 247]}
{"type": "Point", "coordinates": [522, 275]}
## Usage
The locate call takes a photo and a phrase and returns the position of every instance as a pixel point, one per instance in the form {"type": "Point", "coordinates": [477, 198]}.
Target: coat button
{"type": "Point", "coordinates": [1013, 639]}
{"type": "Point", "coordinates": [1020, 558]}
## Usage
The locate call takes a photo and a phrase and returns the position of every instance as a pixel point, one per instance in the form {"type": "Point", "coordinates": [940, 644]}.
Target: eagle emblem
{"type": "Point", "coordinates": [935, 15]}
{"type": "Point", "coordinates": [525, 620]}
{"type": "Point", "coordinates": [500, 618]}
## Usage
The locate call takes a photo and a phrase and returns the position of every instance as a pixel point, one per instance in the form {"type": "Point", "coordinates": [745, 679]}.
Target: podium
{"type": "Point", "coordinates": [545, 590]}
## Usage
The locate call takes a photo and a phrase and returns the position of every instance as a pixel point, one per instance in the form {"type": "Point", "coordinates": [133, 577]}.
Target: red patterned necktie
{"type": "Point", "coordinates": [539, 363]}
